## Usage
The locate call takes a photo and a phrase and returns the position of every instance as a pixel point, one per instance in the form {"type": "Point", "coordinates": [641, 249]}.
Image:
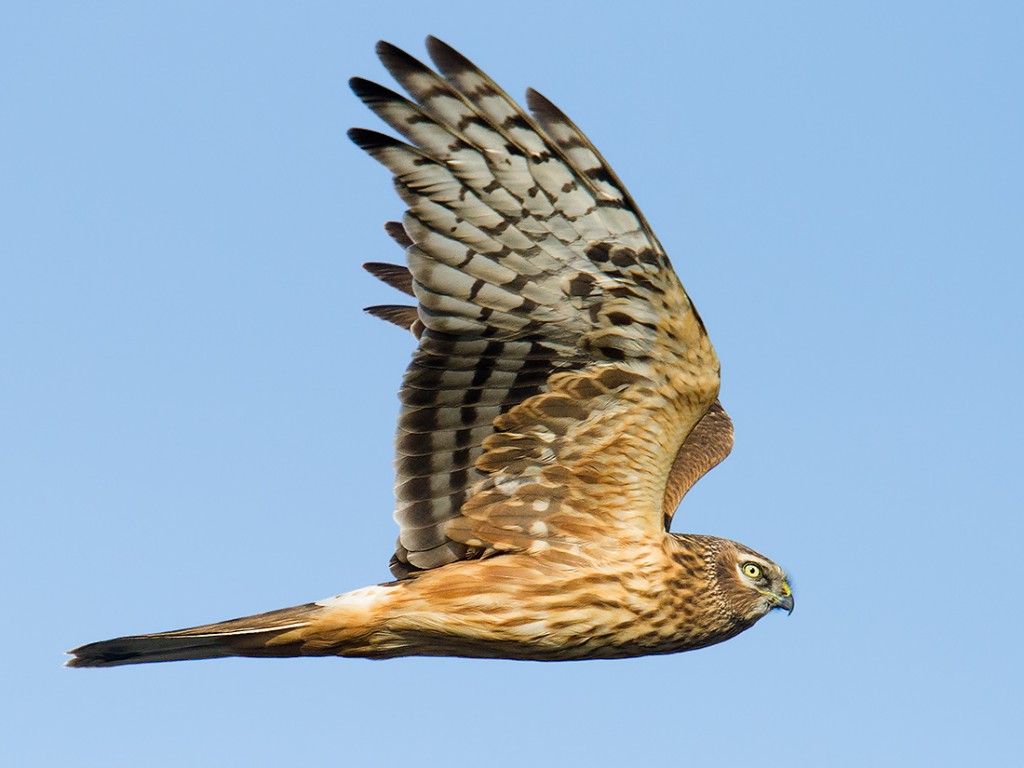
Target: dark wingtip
{"type": "Point", "coordinates": [401, 315]}
{"type": "Point", "coordinates": [544, 109]}
{"type": "Point", "coordinates": [369, 91]}
{"type": "Point", "coordinates": [360, 85]}
{"type": "Point", "coordinates": [358, 136]}
{"type": "Point", "coordinates": [445, 57]}
{"type": "Point", "coordinates": [396, 61]}
{"type": "Point", "coordinates": [397, 233]}
{"type": "Point", "coordinates": [435, 43]}
{"type": "Point", "coordinates": [537, 101]}
{"type": "Point", "coordinates": [369, 140]}
{"type": "Point", "coordinates": [394, 275]}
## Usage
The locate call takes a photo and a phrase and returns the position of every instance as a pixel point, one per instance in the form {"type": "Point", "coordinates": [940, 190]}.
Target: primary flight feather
{"type": "Point", "coordinates": [560, 403]}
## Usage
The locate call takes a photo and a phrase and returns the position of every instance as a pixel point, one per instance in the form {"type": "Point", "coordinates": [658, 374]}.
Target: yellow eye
{"type": "Point", "coordinates": [752, 570]}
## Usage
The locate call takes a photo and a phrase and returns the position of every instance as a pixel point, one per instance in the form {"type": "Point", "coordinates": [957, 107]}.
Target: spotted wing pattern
{"type": "Point", "coordinates": [560, 364]}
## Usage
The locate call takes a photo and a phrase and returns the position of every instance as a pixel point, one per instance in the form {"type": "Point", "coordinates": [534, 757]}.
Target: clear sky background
{"type": "Point", "coordinates": [196, 417]}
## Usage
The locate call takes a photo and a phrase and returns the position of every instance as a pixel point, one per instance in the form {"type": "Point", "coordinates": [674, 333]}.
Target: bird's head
{"type": "Point", "coordinates": [751, 583]}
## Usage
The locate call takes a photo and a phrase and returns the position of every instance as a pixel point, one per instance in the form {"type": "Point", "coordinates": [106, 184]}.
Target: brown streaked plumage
{"type": "Point", "coordinates": [561, 402]}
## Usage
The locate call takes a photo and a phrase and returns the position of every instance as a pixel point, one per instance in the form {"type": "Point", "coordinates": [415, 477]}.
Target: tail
{"type": "Point", "coordinates": [339, 626]}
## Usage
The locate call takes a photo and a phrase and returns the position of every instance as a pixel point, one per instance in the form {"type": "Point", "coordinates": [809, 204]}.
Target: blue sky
{"type": "Point", "coordinates": [196, 417]}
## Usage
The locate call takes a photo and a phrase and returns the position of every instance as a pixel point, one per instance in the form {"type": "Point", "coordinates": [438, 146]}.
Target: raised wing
{"type": "Point", "coordinates": [708, 443]}
{"type": "Point", "coordinates": [560, 364]}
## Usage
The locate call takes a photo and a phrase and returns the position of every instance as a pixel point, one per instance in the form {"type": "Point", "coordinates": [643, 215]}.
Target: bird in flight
{"type": "Point", "coordinates": [562, 400]}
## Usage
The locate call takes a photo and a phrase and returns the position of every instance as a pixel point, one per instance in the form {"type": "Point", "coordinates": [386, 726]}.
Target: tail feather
{"type": "Point", "coordinates": [265, 634]}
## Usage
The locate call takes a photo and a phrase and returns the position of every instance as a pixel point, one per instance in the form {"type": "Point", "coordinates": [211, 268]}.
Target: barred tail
{"type": "Point", "coordinates": [341, 626]}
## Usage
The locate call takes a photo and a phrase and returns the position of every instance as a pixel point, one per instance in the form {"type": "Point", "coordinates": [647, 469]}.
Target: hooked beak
{"type": "Point", "coordinates": [784, 599]}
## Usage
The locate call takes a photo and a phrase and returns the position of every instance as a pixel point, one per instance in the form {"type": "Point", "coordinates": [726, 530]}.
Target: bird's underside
{"type": "Point", "coordinates": [561, 402]}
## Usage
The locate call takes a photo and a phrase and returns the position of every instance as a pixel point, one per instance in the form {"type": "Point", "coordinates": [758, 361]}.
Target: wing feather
{"type": "Point", "coordinates": [708, 444]}
{"type": "Point", "coordinates": [705, 447]}
{"type": "Point", "coordinates": [561, 365]}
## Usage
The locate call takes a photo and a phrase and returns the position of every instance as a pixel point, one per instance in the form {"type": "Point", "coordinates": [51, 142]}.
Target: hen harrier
{"type": "Point", "coordinates": [561, 402]}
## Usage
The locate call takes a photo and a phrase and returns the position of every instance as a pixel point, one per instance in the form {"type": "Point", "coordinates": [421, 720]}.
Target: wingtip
{"type": "Point", "coordinates": [369, 140]}
{"type": "Point", "coordinates": [543, 108]}
{"type": "Point", "coordinates": [359, 86]}
{"type": "Point", "coordinates": [370, 93]}
{"type": "Point", "coordinates": [357, 136]}
{"type": "Point", "coordinates": [446, 57]}
{"type": "Point", "coordinates": [536, 100]}
{"type": "Point", "coordinates": [394, 59]}
{"type": "Point", "coordinates": [393, 275]}
{"type": "Point", "coordinates": [396, 231]}
{"type": "Point", "coordinates": [432, 41]}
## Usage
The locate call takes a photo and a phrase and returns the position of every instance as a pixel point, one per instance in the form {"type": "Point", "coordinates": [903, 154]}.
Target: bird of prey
{"type": "Point", "coordinates": [562, 400]}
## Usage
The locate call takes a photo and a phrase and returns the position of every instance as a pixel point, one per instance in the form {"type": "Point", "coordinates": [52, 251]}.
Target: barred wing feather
{"type": "Point", "coordinates": [561, 365]}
